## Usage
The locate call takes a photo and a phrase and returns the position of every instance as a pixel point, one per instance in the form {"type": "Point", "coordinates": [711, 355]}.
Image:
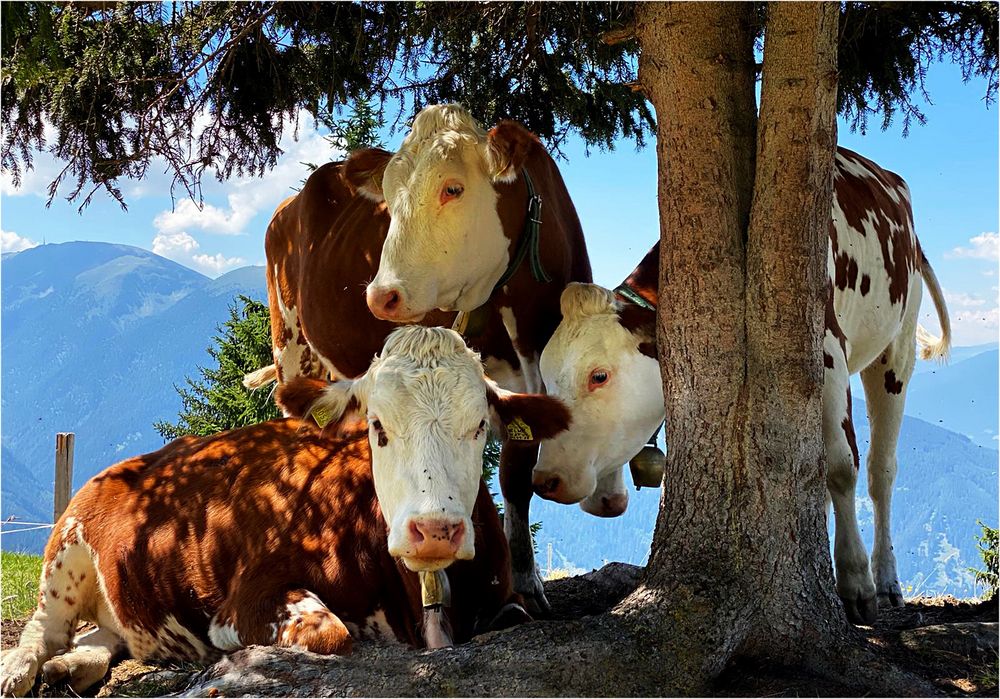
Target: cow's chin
{"type": "Point", "coordinates": [427, 565]}
{"type": "Point", "coordinates": [407, 320]}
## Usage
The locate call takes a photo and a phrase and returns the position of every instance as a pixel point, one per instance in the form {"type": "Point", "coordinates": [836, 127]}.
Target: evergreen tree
{"type": "Point", "coordinates": [217, 400]}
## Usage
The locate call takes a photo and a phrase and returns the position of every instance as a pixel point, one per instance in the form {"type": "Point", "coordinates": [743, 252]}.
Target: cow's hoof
{"type": "Point", "coordinates": [512, 614]}
{"type": "Point", "coordinates": [892, 598]}
{"type": "Point", "coordinates": [17, 676]}
{"type": "Point", "coordinates": [861, 610]}
{"type": "Point", "coordinates": [529, 586]}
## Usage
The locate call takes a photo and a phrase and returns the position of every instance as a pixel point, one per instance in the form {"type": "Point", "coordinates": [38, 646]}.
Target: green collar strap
{"type": "Point", "coordinates": [633, 296]}
{"type": "Point", "coordinates": [527, 246]}
{"type": "Point", "coordinates": [473, 323]}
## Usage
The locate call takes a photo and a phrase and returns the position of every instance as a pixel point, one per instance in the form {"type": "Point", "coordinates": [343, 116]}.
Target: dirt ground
{"type": "Point", "coordinates": [956, 670]}
{"type": "Point", "coordinates": [971, 673]}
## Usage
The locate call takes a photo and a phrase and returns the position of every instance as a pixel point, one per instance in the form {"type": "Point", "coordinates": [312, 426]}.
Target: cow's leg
{"type": "Point", "coordinates": [516, 464]}
{"type": "Point", "coordinates": [293, 618]}
{"type": "Point", "coordinates": [87, 663]}
{"type": "Point", "coordinates": [885, 382]}
{"type": "Point", "coordinates": [854, 580]}
{"type": "Point", "coordinates": [305, 622]}
{"type": "Point", "coordinates": [67, 586]}
{"type": "Point", "coordinates": [610, 497]}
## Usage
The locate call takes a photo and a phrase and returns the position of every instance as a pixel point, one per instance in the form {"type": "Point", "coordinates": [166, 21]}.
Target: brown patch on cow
{"type": "Point", "coordinates": [298, 394]}
{"type": "Point", "coordinates": [827, 360]}
{"type": "Point", "coordinates": [545, 415]}
{"type": "Point", "coordinates": [58, 565]}
{"type": "Point", "coordinates": [867, 199]}
{"type": "Point", "coordinates": [866, 284]}
{"type": "Point", "coordinates": [510, 145]}
{"type": "Point", "coordinates": [847, 424]}
{"type": "Point", "coordinates": [645, 278]}
{"type": "Point", "coordinates": [832, 324]}
{"type": "Point", "coordinates": [641, 323]}
{"type": "Point", "coordinates": [364, 169]}
{"type": "Point", "coordinates": [892, 384]}
{"type": "Point", "coordinates": [70, 600]}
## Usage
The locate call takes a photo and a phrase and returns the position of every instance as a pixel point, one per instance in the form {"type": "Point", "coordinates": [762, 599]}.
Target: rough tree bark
{"type": "Point", "coordinates": [740, 557]}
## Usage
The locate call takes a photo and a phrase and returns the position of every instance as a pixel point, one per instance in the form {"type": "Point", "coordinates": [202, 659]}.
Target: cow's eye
{"type": "Point", "coordinates": [598, 378]}
{"type": "Point", "coordinates": [380, 435]}
{"type": "Point", "coordinates": [452, 190]}
{"type": "Point", "coordinates": [480, 429]}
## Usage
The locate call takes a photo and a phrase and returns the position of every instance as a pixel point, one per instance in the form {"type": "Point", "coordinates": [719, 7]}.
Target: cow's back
{"type": "Point", "coordinates": [874, 256]}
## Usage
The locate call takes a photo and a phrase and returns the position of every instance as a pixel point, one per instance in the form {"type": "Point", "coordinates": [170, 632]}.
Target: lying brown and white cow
{"type": "Point", "coordinates": [456, 209]}
{"type": "Point", "coordinates": [288, 534]}
{"type": "Point", "coordinates": [602, 362]}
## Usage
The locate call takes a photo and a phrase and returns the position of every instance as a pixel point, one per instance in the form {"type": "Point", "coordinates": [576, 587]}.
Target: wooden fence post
{"type": "Point", "coordinates": [64, 473]}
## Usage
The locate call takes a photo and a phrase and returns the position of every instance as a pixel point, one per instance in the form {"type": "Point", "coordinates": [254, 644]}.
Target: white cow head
{"type": "Point", "coordinates": [593, 363]}
{"type": "Point", "coordinates": [446, 246]}
{"type": "Point", "coordinates": [428, 406]}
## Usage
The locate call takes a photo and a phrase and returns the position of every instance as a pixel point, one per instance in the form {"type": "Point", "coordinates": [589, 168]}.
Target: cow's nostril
{"type": "Point", "coordinates": [458, 533]}
{"type": "Point", "coordinates": [415, 534]}
{"type": "Point", "coordinates": [551, 485]}
{"type": "Point", "coordinates": [392, 300]}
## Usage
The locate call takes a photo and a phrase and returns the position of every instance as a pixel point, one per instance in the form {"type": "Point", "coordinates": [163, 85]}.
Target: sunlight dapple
{"type": "Point", "coordinates": [302, 532]}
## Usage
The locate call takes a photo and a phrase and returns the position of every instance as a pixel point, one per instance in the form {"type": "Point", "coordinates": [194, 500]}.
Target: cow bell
{"type": "Point", "coordinates": [434, 589]}
{"type": "Point", "coordinates": [647, 467]}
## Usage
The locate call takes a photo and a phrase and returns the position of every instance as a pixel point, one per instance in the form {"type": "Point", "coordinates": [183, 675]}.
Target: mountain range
{"type": "Point", "coordinates": [95, 336]}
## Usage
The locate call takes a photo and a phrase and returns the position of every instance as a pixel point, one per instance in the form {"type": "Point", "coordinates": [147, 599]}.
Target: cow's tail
{"type": "Point", "coordinates": [932, 347]}
{"type": "Point", "coordinates": [261, 377]}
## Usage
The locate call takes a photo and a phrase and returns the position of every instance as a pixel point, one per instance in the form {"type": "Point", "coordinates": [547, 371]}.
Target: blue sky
{"type": "Point", "coordinates": [951, 165]}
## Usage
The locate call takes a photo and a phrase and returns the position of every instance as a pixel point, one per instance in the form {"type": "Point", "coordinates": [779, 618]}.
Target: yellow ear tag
{"type": "Point", "coordinates": [518, 430]}
{"type": "Point", "coordinates": [322, 416]}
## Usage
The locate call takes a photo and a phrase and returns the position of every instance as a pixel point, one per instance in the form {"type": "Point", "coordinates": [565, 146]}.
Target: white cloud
{"type": "Point", "coordinates": [182, 247]}
{"type": "Point", "coordinates": [168, 244]}
{"type": "Point", "coordinates": [217, 263]}
{"type": "Point", "coordinates": [230, 206]}
{"type": "Point", "coordinates": [45, 168]}
{"type": "Point", "coordinates": [985, 246]}
{"type": "Point", "coordinates": [12, 242]}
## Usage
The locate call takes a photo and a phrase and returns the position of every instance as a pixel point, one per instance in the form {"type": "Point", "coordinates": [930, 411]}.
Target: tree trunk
{"type": "Point", "coordinates": [740, 553]}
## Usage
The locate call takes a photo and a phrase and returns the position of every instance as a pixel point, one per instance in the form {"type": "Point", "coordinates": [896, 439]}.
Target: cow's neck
{"type": "Point", "coordinates": [528, 306]}
{"type": "Point", "coordinates": [639, 292]}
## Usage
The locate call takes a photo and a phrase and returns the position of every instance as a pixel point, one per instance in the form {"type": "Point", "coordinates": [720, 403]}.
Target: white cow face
{"type": "Point", "coordinates": [614, 395]}
{"type": "Point", "coordinates": [446, 246]}
{"type": "Point", "coordinates": [428, 406]}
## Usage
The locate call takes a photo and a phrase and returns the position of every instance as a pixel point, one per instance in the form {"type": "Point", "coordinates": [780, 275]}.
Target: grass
{"type": "Point", "coordinates": [19, 574]}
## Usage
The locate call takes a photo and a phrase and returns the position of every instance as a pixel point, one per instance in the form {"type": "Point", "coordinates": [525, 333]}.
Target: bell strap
{"type": "Point", "coordinates": [632, 296]}
{"type": "Point", "coordinates": [527, 246]}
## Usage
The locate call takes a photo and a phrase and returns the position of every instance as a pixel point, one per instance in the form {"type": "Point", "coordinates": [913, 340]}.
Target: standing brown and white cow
{"type": "Point", "coordinates": [458, 219]}
{"type": "Point", "coordinates": [289, 533]}
{"type": "Point", "coordinates": [602, 362]}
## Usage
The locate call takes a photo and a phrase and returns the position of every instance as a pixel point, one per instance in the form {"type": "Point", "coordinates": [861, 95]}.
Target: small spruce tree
{"type": "Point", "coordinates": [217, 400]}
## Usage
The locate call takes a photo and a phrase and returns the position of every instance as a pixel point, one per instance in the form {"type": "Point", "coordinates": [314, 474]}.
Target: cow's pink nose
{"type": "Point", "coordinates": [434, 538]}
{"type": "Point", "coordinates": [614, 505]}
{"type": "Point", "coordinates": [384, 303]}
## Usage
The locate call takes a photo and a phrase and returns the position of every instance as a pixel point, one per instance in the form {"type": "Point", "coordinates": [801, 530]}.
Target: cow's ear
{"type": "Point", "coordinates": [327, 404]}
{"type": "Point", "coordinates": [364, 170]}
{"type": "Point", "coordinates": [525, 417]}
{"type": "Point", "coordinates": [507, 148]}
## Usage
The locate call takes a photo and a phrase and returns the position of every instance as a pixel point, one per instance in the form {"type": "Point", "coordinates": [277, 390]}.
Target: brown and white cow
{"type": "Point", "coordinates": [602, 362]}
{"type": "Point", "coordinates": [441, 221]}
{"type": "Point", "coordinates": [286, 533]}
